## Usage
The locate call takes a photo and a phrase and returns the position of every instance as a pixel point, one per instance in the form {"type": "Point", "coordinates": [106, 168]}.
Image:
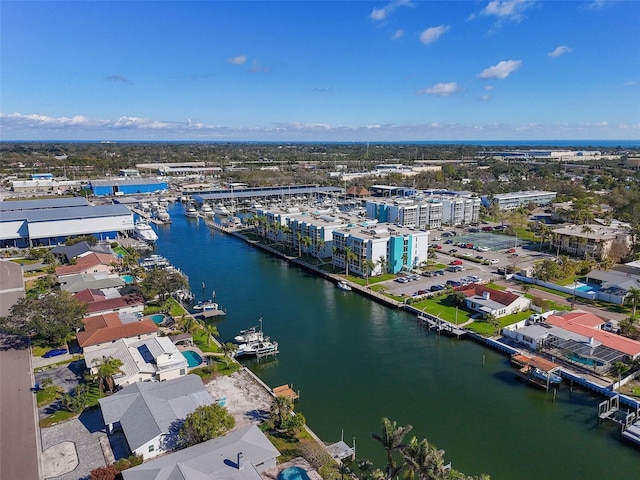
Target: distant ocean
{"type": "Point", "coordinates": [599, 144]}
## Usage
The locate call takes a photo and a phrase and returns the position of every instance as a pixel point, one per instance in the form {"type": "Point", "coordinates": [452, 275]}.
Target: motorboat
{"type": "Point", "coordinates": [258, 348]}
{"type": "Point", "coordinates": [220, 209]}
{"type": "Point", "coordinates": [249, 335]}
{"type": "Point", "coordinates": [550, 377]}
{"type": "Point", "coordinates": [206, 305]}
{"type": "Point", "coordinates": [206, 210]}
{"type": "Point", "coordinates": [342, 285]}
{"type": "Point", "coordinates": [143, 231]}
{"type": "Point", "coordinates": [163, 215]}
{"type": "Point", "coordinates": [191, 211]}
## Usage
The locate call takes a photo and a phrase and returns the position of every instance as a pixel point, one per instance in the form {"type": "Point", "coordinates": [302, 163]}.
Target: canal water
{"type": "Point", "coordinates": [355, 361]}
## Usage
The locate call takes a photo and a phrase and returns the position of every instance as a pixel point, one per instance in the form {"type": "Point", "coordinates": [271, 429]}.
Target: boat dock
{"type": "Point", "coordinates": [441, 326]}
{"type": "Point", "coordinates": [210, 313]}
{"type": "Point", "coordinates": [527, 365]}
{"type": "Point", "coordinates": [286, 391]}
{"type": "Point", "coordinates": [628, 420]}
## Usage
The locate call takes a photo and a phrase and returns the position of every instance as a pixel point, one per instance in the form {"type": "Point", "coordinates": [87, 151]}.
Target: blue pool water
{"type": "Point", "coordinates": [127, 278]}
{"type": "Point", "coordinates": [585, 361]}
{"type": "Point", "coordinates": [193, 359]}
{"type": "Point", "coordinates": [293, 473]}
{"type": "Point", "coordinates": [158, 318]}
{"type": "Point", "coordinates": [588, 288]}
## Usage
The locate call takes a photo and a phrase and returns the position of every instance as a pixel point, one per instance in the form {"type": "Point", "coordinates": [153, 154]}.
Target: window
{"type": "Point", "coordinates": [182, 371]}
{"type": "Point", "coordinates": [151, 448]}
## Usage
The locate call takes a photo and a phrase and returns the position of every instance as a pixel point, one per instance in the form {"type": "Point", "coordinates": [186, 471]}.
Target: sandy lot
{"type": "Point", "coordinates": [246, 399]}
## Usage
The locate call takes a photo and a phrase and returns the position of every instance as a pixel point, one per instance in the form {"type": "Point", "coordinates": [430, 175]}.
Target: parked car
{"type": "Point", "coordinates": [454, 283]}
{"type": "Point", "coordinates": [493, 261]}
{"type": "Point", "coordinates": [55, 352]}
{"type": "Point", "coordinates": [453, 250]}
{"type": "Point", "coordinates": [438, 247]}
{"type": "Point", "coordinates": [511, 250]}
{"type": "Point", "coordinates": [427, 274]}
{"type": "Point", "coordinates": [467, 254]}
{"type": "Point", "coordinates": [449, 242]}
{"type": "Point", "coordinates": [437, 288]}
{"type": "Point", "coordinates": [422, 292]}
{"type": "Point", "coordinates": [482, 249]}
{"type": "Point", "coordinates": [479, 257]}
{"type": "Point", "coordinates": [487, 229]}
{"type": "Point", "coordinates": [455, 262]}
{"type": "Point", "coordinates": [438, 272]}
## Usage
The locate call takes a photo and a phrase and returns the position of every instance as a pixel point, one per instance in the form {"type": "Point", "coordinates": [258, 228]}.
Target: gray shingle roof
{"type": "Point", "coordinates": [214, 459]}
{"type": "Point", "coordinates": [148, 409]}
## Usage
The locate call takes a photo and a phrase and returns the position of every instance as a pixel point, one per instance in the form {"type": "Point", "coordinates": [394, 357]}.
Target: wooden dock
{"type": "Point", "coordinates": [204, 314]}
{"type": "Point", "coordinates": [441, 326]}
{"type": "Point", "coordinates": [286, 391]}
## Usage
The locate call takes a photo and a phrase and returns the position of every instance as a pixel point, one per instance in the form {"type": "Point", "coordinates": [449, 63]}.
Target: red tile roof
{"type": "Point", "coordinates": [85, 262]}
{"type": "Point", "coordinates": [500, 296]}
{"type": "Point", "coordinates": [608, 339]}
{"type": "Point", "coordinates": [108, 327]}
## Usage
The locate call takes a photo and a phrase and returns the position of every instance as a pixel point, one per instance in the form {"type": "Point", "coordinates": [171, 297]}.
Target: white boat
{"type": "Point", "coordinates": [191, 211]}
{"type": "Point", "coordinates": [249, 335]}
{"type": "Point", "coordinates": [552, 378]}
{"type": "Point", "coordinates": [258, 348]}
{"type": "Point", "coordinates": [143, 231]}
{"type": "Point", "coordinates": [163, 215]}
{"type": "Point", "coordinates": [206, 210]}
{"type": "Point", "coordinates": [342, 285]}
{"type": "Point", "coordinates": [220, 209]}
{"type": "Point", "coordinates": [205, 306]}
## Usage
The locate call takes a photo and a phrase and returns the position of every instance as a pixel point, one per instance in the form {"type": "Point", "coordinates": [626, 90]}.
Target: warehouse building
{"type": "Point", "coordinates": [127, 186]}
{"type": "Point", "coordinates": [50, 222]}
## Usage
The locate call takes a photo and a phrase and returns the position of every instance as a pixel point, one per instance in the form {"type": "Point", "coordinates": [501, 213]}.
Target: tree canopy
{"type": "Point", "coordinates": [204, 423]}
{"type": "Point", "coordinates": [163, 283]}
{"type": "Point", "coordinates": [49, 319]}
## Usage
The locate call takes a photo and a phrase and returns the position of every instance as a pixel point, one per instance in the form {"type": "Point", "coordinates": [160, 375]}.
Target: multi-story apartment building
{"type": "Point", "coordinates": [423, 214]}
{"type": "Point", "coordinates": [592, 240]}
{"type": "Point", "coordinates": [390, 248]}
{"type": "Point", "coordinates": [461, 210]}
{"type": "Point", "coordinates": [513, 200]}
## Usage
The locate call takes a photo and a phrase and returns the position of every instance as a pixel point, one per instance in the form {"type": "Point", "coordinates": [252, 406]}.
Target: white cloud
{"type": "Point", "coordinates": [489, 87]}
{"type": "Point", "coordinates": [485, 97]}
{"type": "Point", "coordinates": [511, 10]}
{"type": "Point", "coordinates": [630, 83]}
{"type": "Point", "coordinates": [237, 60]}
{"type": "Point", "coordinates": [561, 50]}
{"type": "Point", "coordinates": [441, 89]}
{"type": "Point", "coordinates": [397, 34]}
{"type": "Point", "coordinates": [433, 33]}
{"type": "Point", "coordinates": [256, 67]}
{"type": "Point", "coordinates": [501, 70]}
{"type": "Point", "coordinates": [379, 14]}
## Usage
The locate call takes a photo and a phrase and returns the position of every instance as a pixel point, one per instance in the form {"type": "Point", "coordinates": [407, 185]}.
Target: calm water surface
{"type": "Point", "coordinates": [355, 361]}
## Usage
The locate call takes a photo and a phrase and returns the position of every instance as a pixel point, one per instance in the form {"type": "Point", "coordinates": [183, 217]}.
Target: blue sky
{"type": "Point", "coordinates": [320, 71]}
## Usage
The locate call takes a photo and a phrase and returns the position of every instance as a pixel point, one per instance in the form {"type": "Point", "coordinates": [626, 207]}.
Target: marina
{"type": "Point", "coordinates": [345, 352]}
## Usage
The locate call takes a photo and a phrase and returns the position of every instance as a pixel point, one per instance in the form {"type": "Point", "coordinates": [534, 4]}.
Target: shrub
{"type": "Point", "coordinates": [104, 473]}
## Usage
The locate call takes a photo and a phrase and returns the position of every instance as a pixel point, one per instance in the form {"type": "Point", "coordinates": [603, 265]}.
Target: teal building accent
{"type": "Point", "coordinates": [396, 249]}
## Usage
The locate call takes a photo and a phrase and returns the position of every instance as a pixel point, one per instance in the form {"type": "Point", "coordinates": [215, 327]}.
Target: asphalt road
{"type": "Point", "coordinates": [19, 446]}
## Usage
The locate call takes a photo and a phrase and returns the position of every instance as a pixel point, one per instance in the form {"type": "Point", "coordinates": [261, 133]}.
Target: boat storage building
{"type": "Point", "coordinates": [28, 223]}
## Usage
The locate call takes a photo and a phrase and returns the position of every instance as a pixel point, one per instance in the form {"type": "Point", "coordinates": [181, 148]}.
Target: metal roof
{"type": "Point", "coordinates": [43, 204]}
{"type": "Point", "coordinates": [127, 181]}
{"type": "Point", "coordinates": [265, 192]}
{"type": "Point", "coordinates": [65, 213]}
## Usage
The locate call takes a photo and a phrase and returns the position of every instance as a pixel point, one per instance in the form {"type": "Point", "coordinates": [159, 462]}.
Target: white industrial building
{"type": "Point", "coordinates": [49, 222]}
{"type": "Point", "coordinates": [513, 200]}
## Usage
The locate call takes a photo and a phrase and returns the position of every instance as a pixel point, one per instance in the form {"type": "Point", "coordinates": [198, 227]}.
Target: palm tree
{"type": "Point", "coordinates": [286, 230]}
{"type": "Point", "coordinates": [307, 241]}
{"type": "Point", "coordinates": [320, 247]}
{"type": "Point", "coordinates": [106, 368]}
{"type": "Point", "coordinates": [281, 409]}
{"type": "Point", "coordinates": [369, 266]}
{"type": "Point", "coordinates": [586, 229]}
{"type": "Point", "coordinates": [382, 261]}
{"type": "Point", "coordinates": [344, 471]}
{"type": "Point", "coordinates": [633, 297]}
{"type": "Point", "coordinates": [211, 331]}
{"type": "Point", "coordinates": [228, 349]}
{"type": "Point", "coordinates": [391, 439]}
{"type": "Point", "coordinates": [189, 324]}
{"type": "Point", "coordinates": [405, 259]}
{"type": "Point", "coordinates": [424, 461]}
{"type": "Point", "coordinates": [349, 255]}
{"type": "Point", "coordinates": [299, 240]}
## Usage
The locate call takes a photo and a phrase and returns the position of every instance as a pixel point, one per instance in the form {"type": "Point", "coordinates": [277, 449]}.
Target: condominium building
{"type": "Point", "coordinates": [513, 200]}
{"type": "Point", "coordinates": [423, 214]}
{"type": "Point", "coordinates": [594, 240]}
{"type": "Point", "coordinates": [386, 247]}
{"type": "Point", "coordinates": [460, 210]}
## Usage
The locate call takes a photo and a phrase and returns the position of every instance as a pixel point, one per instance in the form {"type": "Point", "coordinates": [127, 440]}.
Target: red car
{"type": "Point", "coordinates": [511, 250]}
{"type": "Point", "coordinates": [438, 247]}
{"type": "Point", "coordinates": [455, 262]}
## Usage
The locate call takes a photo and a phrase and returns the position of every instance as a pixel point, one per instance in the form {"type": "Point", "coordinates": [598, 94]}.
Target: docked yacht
{"type": "Point", "coordinates": [206, 210]}
{"type": "Point", "coordinates": [258, 348]}
{"type": "Point", "coordinates": [220, 209]}
{"type": "Point", "coordinates": [249, 335]}
{"type": "Point", "coordinates": [343, 285]}
{"type": "Point", "coordinates": [191, 211]}
{"type": "Point", "coordinates": [143, 231]}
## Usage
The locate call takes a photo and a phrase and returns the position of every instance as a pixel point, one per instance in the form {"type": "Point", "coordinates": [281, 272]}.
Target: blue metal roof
{"type": "Point", "coordinates": [39, 204]}
{"type": "Point", "coordinates": [265, 192]}
{"type": "Point", "coordinates": [50, 214]}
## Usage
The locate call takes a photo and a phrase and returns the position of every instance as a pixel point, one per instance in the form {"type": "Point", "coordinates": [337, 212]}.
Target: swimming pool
{"type": "Point", "coordinates": [158, 318]}
{"type": "Point", "coordinates": [585, 361]}
{"type": "Point", "coordinates": [293, 473]}
{"type": "Point", "coordinates": [127, 278]}
{"type": "Point", "coordinates": [588, 288]}
{"type": "Point", "coordinates": [193, 359]}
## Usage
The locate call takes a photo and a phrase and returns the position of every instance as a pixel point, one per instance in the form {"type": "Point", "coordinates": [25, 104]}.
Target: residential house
{"type": "Point", "coordinates": [151, 359]}
{"type": "Point", "coordinates": [96, 281]}
{"type": "Point", "coordinates": [89, 262]}
{"type": "Point", "coordinates": [109, 300]}
{"type": "Point", "coordinates": [150, 413]}
{"type": "Point", "coordinates": [101, 330]}
{"type": "Point", "coordinates": [498, 303]}
{"type": "Point", "coordinates": [242, 454]}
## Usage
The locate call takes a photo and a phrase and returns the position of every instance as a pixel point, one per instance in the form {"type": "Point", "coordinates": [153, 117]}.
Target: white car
{"type": "Point", "coordinates": [493, 261]}
{"type": "Point", "coordinates": [482, 249]}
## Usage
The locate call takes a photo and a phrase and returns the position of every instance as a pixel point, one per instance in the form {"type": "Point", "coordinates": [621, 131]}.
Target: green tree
{"type": "Point", "coordinates": [306, 242]}
{"type": "Point", "coordinates": [50, 319]}
{"type": "Point", "coordinates": [349, 255]}
{"type": "Point", "coordinates": [424, 461]}
{"type": "Point", "coordinates": [391, 439]}
{"type": "Point", "coordinates": [204, 423]}
{"type": "Point", "coordinates": [281, 411]}
{"type": "Point", "coordinates": [633, 297]}
{"type": "Point", "coordinates": [211, 331]}
{"type": "Point", "coordinates": [369, 266]}
{"type": "Point", "coordinates": [382, 261]}
{"type": "Point", "coordinates": [160, 282]}
{"type": "Point", "coordinates": [228, 349]}
{"type": "Point", "coordinates": [106, 368]}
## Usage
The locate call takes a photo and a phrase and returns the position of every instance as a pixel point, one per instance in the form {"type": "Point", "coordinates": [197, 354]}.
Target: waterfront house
{"type": "Point", "coordinates": [149, 413]}
{"type": "Point", "coordinates": [109, 300]}
{"type": "Point", "coordinates": [100, 330]}
{"type": "Point", "coordinates": [498, 303]}
{"type": "Point", "coordinates": [97, 281]}
{"type": "Point", "coordinates": [89, 262]}
{"type": "Point", "coordinates": [66, 253]}
{"type": "Point", "coordinates": [151, 359]}
{"type": "Point", "coordinates": [239, 455]}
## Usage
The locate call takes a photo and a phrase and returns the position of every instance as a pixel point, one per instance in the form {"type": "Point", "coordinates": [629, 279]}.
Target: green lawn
{"type": "Point", "coordinates": [444, 308]}
{"type": "Point", "coordinates": [200, 339]}
{"type": "Point", "coordinates": [47, 395]}
{"type": "Point", "coordinates": [483, 328]}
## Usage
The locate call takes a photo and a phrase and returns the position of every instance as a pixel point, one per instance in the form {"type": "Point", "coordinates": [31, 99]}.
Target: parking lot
{"type": "Point", "coordinates": [491, 254]}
